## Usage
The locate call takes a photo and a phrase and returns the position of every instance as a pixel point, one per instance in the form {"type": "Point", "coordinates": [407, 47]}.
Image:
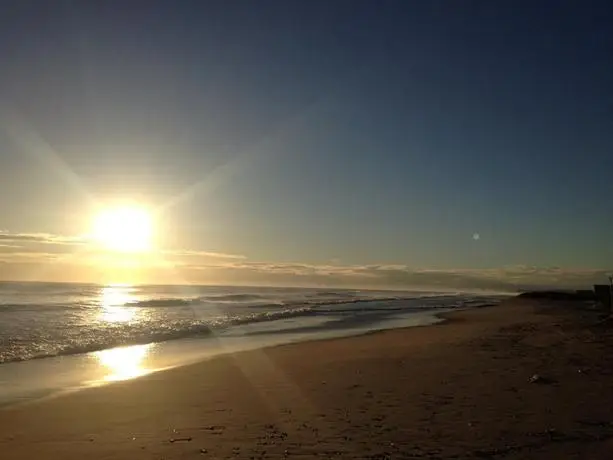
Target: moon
{"type": "Point", "coordinates": [476, 236]}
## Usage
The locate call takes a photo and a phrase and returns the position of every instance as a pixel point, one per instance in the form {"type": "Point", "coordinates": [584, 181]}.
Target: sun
{"type": "Point", "coordinates": [124, 229]}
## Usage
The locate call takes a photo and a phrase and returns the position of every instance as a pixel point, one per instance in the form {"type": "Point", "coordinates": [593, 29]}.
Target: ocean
{"type": "Point", "coordinates": [74, 335]}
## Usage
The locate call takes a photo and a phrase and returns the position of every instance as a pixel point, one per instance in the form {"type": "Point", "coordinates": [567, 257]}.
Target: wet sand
{"type": "Point", "coordinates": [457, 390]}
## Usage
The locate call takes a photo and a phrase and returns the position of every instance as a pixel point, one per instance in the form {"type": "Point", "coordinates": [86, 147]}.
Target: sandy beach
{"type": "Point", "coordinates": [458, 390]}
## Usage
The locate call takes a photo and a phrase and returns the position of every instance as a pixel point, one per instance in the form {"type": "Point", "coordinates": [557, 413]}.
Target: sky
{"type": "Point", "coordinates": [455, 144]}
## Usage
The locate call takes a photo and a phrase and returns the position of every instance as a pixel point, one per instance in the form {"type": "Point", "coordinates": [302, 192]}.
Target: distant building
{"type": "Point", "coordinates": [603, 294]}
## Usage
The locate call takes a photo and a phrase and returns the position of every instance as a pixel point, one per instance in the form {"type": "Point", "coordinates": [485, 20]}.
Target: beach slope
{"type": "Point", "coordinates": [525, 379]}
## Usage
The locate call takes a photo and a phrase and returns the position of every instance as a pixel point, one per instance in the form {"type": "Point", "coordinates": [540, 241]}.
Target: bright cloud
{"type": "Point", "coordinates": [202, 254]}
{"type": "Point", "coordinates": [44, 256]}
{"type": "Point", "coordinates": [398, 276]}
{"type": "Point", "coordinates": [42, 238]}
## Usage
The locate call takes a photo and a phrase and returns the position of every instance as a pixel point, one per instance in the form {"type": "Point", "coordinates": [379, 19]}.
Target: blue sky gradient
{"type": "Point", "coordinates": [342, 133]}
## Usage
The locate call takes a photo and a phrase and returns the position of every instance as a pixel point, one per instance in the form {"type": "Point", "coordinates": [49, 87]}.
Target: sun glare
{"type": "Point", "coordinates": [124, 363]}
{"type": "Point", "coordinates": [124, 229]}
{"type": "Point", "coordinates": [115, 304]}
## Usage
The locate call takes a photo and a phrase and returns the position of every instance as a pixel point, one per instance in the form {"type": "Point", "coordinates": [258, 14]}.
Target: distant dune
{"type": "Point", "coordinates": [581, 295]}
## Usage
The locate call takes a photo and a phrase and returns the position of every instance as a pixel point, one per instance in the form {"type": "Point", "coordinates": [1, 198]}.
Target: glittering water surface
{"type": "Point", "coordinates": [41, 320]}
{"type": "Point", "coordinates": [62, 337]}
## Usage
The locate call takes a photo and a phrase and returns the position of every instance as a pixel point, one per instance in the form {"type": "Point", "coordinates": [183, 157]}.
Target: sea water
{"type": "Point", "coordinates": [62, 336]}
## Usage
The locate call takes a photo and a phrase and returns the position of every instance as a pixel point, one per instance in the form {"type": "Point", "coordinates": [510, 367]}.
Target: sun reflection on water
{"type": "Point", "coordinates": [115, 301]}
{"type": "Point", "coordinates": [124, 363]}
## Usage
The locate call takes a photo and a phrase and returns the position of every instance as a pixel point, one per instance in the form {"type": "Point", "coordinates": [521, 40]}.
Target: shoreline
{"type": "Point", "coordinates": [52, 394]}
{"type": "Point", "coordinates": [430, 318]}
{"type": "Point", "coordinates": [65, 374]}
{"type": "Point", "coordinates": [460, 390]}
{"type": "Point", "coordinates": [213, 325]}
